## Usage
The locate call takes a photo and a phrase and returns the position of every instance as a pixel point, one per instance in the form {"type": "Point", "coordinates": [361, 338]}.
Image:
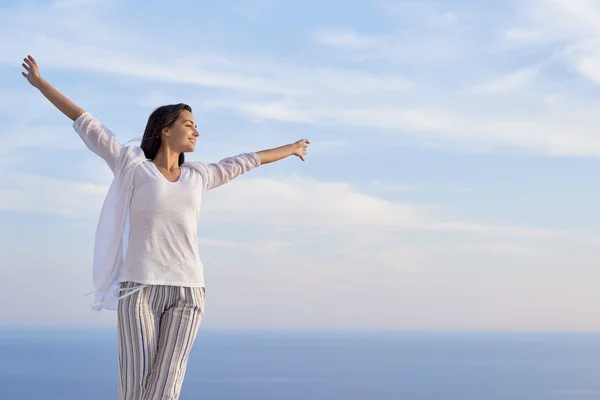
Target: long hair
{"type": "Point", "coordinates": [162, 117]}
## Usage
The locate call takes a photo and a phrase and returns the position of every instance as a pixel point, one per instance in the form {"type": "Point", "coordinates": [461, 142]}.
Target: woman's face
{"type": "Point", "coordinates": [181, 136]}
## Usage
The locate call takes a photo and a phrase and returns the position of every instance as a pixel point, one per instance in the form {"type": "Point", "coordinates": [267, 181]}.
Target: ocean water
{"type": "Point", "coordinates": [82, 365]}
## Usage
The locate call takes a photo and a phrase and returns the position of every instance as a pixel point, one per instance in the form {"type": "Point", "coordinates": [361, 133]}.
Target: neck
{"type": "Point", "coordinates": [167, 159]}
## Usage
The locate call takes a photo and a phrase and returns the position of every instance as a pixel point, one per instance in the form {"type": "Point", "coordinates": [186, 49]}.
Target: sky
{"type": "Point", "coordinates": [451, 181]}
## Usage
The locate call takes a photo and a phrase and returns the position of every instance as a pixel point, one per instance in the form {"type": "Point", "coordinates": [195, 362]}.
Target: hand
{"type": "Point", "coordinates": [33, 72]}
{"type": "Point", "coordinates": [300, 148]}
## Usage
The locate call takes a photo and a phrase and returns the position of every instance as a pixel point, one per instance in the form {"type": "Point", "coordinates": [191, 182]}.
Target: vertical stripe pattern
{"type": "Point", "coordinates": [157, 327]}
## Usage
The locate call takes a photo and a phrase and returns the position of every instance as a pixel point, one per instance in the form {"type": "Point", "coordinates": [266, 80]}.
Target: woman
{"type": "Point", "coordinates": [157, 282]}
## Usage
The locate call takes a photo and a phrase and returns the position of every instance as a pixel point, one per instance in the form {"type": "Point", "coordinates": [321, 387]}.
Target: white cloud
{"type": "Point", "coordinates": [508, 82]}
{"type": "Point", "coordinates": [387, 103]}
{"type": "Point", "coordinates": [39, 194]}
{"type": "Point", "coordinates": [416, 48]}
{"type": "Point", "coordinates": [393, 187]}
{"type": "Point", "coordinates": [344, 37]}
{"type": "Point", "coordinates": [292, 203]}
{"type": "Point", "coordinates": [407, 287]}
{"type": "Point", "coordinates": [251, 9]}
{"type": "Point", "coordinates": [570, 26]}
{"type": "Point", "coordinates": [335, 207]}
{"type": "Point", "coordinates": [563, 127]}
{"type": "Point", "coordinates": [258, 248]}
{"type": "Point", "coordinates": [122, 52]}
{"type": "Point", "coordinates": [537, 113]}
{"type": "Point", "coordinates": [26, 137]}
{"type": "Point", "coordinates": [76, 3]}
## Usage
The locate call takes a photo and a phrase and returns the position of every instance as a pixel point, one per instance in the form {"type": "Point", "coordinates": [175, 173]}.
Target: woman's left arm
{"type": "Point", "coordinates": [217, 174]}
{"type": "Point", "coordinates": [295, 149]}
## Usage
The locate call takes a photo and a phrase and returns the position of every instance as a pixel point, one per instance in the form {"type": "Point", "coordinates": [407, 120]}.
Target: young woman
{"type": "Point", "coordinates": [152, 274]}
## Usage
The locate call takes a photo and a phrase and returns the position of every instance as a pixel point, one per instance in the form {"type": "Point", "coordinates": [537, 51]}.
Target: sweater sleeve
{"type": "Point", "coordinates": [98, 139]}
{"type": "Point", "coordinates": [221, 172]}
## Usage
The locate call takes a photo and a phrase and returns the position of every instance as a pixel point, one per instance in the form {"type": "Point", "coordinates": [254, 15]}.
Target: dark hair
{"type": "Point", "coordinates": [162, 117]}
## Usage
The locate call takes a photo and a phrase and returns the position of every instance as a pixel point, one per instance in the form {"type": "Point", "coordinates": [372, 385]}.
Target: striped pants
{"type": "Point", "coordinates": [157, 328]}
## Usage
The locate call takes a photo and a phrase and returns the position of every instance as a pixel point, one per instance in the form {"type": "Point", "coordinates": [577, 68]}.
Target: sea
{"type": "Point", "coordinates": [69, 364]}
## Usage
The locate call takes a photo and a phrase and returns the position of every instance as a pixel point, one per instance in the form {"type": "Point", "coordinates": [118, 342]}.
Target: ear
{"type": "Point", "coordinates": [165, 132]}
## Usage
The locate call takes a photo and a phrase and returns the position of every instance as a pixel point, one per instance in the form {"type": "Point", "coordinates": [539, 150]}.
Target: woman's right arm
{"type": "Point", "coordinates": [96, 137]}
{"type": "Point", "coordinates": [60, 101]}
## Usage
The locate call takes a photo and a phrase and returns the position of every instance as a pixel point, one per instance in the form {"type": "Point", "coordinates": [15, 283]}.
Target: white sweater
{"type": "Point", "coordinates": [163, 220]}
{"type": "Point", "coordinates": [161, 245]}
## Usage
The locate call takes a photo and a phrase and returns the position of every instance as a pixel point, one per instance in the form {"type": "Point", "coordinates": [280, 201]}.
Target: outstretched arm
{"type": "Point", "coordinates": [96, 137]}
{"type": "Point", "coordinates": [60, 101]}
{"type": "Point", "coordinates": [217, 174]}
{"type": "Point", "coordinates": [295, 149]}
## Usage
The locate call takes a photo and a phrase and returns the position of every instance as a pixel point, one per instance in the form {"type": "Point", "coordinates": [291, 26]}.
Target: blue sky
{"type": "Point", "coordinates": [450, 182]}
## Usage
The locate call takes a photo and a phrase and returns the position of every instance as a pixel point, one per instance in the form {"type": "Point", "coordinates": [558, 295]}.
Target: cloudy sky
{"type": "Point", "coordinates": [451, 182]}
